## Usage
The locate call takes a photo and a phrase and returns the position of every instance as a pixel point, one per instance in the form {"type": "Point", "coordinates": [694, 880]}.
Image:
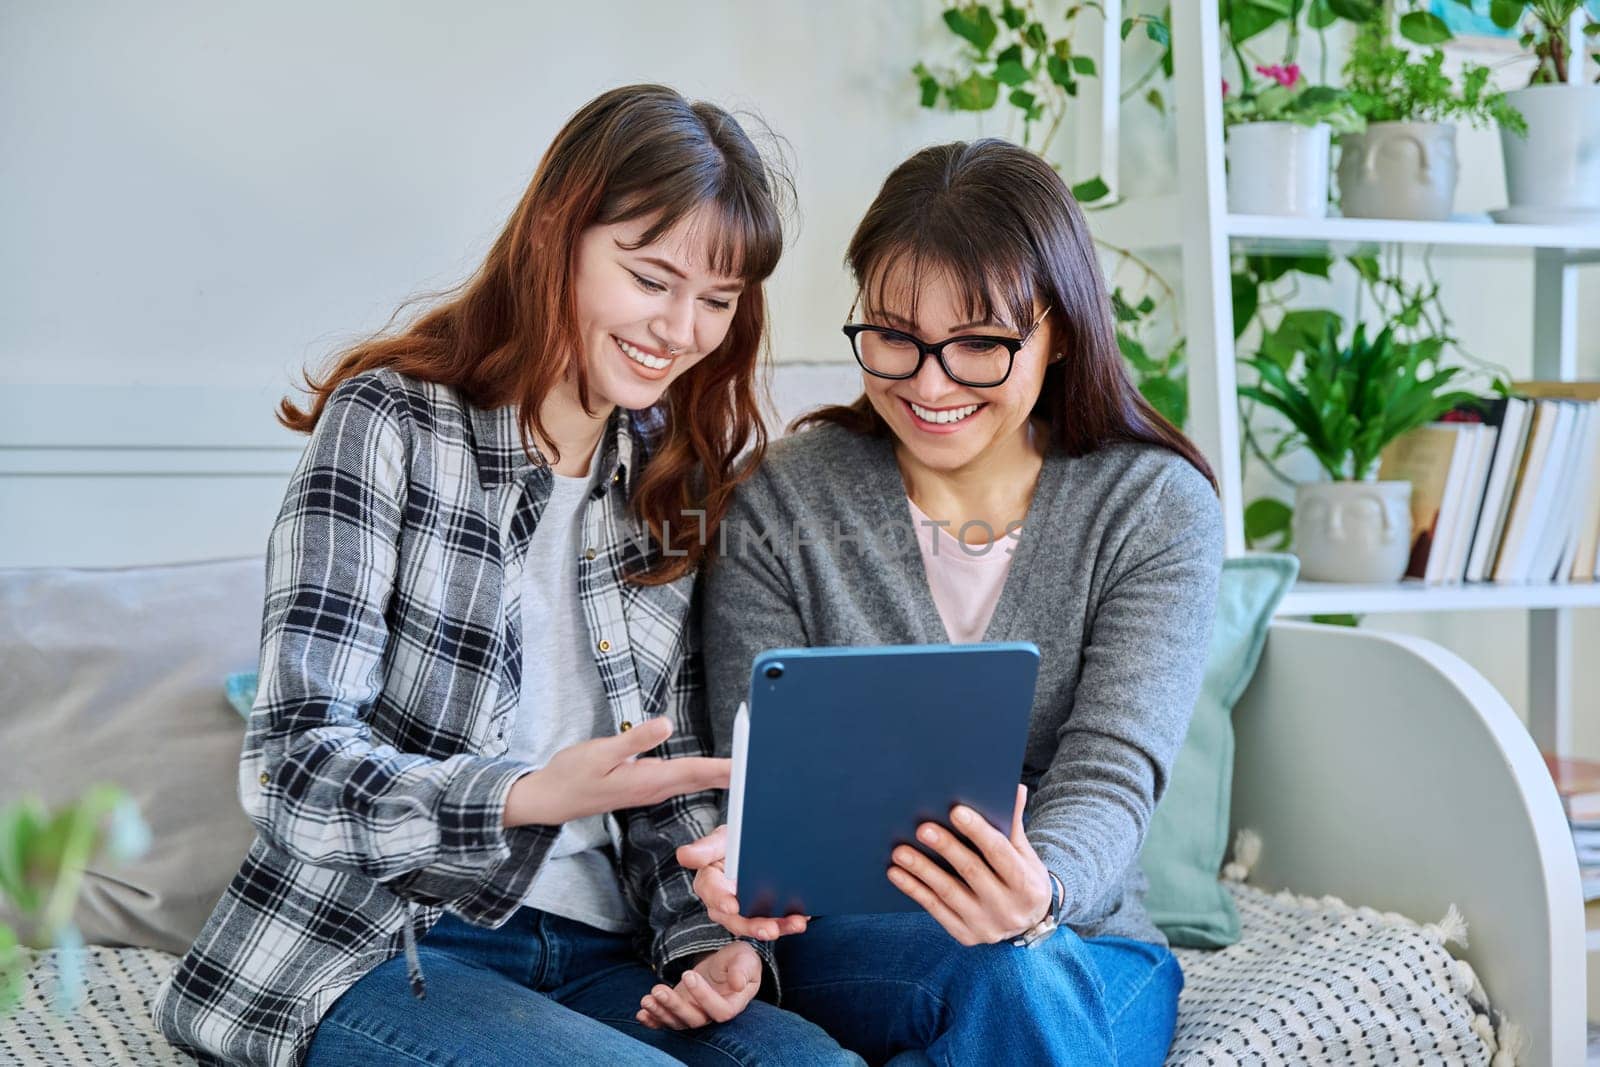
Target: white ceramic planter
{"type": "Point", "coordinates": [1553, 174]}
{"type": "Point", "coordinates": [1278, 168]}
{"type": "Point", "coordinates": [1352, 531]}
{"type": "Point", "coordinates": [1398, 170]}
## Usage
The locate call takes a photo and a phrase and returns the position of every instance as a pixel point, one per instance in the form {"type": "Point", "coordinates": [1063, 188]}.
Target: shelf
{"type": "Point", "coordinates": [1330, 598]}
{"type": "Point", "coordinates": [1591, 926]}
{"type": "Point", "coordinates": [1284, 232]}
{"type": "Point", "coordinates": [1153, 222]}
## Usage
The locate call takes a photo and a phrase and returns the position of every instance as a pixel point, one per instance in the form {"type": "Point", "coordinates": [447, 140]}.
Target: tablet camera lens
{"type": "Point", "coordinates": [775, 670]}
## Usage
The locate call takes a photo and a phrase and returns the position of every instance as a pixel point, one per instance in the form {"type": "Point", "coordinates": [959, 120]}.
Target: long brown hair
{"type": "Point", "coordinates": [509, 334]}
{"type": "Point", "coordinates": [1000, 222]}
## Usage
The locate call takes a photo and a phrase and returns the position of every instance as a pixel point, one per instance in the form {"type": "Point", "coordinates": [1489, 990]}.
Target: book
{"type": "Point", "coordinates": [1510, 552]}
{"type": "Point", "coordinates": [1514, 416]}
{"type": "Point", "coordinates": [1549, 496]}
{"type": "Point", "coordinates": [1452, 503]}
{"type": "Point", "coordinates": [1583, 564]}
{"type": "Point", "coordinates": [1466, 521]}
{"type": "Point", "coordinates": [1578, 784]}
{"type": "Point", "coordinates": [1423, 458]}
{"type": "Point", "coordinates": [1586, 464]}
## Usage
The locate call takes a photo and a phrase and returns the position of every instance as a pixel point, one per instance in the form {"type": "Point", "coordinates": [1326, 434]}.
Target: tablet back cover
{"type": "Point", "coordinates": [848, 750]}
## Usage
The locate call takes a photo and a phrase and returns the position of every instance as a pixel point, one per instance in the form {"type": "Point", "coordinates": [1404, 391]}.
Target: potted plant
{"type": "Point", "coordinates": [1403, 164]}
{"type": "Point", "coordinates": [1279, 133]}
{"type": "Point", "coordinates": [1344, 403]}
{"type": "Point", "coordinates": [1553, 165]}
{"type": "Point", "coordinates": [44, 856]}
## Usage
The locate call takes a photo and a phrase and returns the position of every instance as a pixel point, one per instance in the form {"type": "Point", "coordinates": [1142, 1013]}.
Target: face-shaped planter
{"type": "Point", "coordinates": [1398, 170]}
{"type": "Point", "coordinates": [1352, 531]}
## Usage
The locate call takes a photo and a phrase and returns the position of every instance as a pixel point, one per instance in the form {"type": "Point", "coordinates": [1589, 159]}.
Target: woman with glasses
{"type": "Point", "coordinates": [1049, 503]}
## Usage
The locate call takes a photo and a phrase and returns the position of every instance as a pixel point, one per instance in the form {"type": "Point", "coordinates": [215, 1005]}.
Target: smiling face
{"type": "Point", "coordinates": [944, 425]}
{"type": "Point", "coordinates": [648, 314]}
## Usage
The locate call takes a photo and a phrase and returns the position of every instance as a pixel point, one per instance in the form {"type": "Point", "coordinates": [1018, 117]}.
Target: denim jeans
{"type": "Point", "coordinates": [540, 990]}
{"type": "Point", "coordinates": [898, 987]}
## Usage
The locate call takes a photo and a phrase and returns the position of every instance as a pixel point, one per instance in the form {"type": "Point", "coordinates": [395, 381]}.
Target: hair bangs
{"type": "Point", "coordinates": [738, 227]}
{"type": "Point", "coordinates": [992, 286]}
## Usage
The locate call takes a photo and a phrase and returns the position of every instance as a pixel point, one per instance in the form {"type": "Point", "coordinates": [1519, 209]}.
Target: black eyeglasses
{"type": "Point", "coordinates": [979, 361]}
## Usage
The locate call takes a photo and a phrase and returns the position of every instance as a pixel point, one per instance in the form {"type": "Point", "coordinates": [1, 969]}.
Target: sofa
{"type": "Point", "coordinates": [1376, 777]}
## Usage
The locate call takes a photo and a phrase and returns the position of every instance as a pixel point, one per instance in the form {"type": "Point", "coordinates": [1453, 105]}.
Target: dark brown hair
{"type": "Point", "coordinates": [1004, 226]}
{"type": "Point", "coordinates": [509, 333]}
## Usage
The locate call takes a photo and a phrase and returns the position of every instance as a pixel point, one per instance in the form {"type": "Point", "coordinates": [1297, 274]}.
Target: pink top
{"type": "Point", "coordinates": [965, 580]}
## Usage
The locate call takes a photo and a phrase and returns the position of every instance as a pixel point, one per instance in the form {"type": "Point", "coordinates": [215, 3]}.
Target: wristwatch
{"type": "Point", "coordinates": [1041, 930]}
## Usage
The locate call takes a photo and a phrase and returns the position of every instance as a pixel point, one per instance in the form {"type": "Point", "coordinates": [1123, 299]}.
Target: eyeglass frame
{"type": "Point", "coordinates": [1012, 345]}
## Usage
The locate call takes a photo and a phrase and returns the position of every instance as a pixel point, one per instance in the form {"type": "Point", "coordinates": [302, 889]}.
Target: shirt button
{"type": "Point", "coordinates": [626, 726]}
{"type": "Point", "coordinates": [265, 778]}
{"type": "Point", "coordinates": [605, 646]}
{"type": "Point", "coordinates": [589, 553]}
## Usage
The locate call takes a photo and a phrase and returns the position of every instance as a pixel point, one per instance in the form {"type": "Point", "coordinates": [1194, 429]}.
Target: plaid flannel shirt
{"type": "Point", "coordinates": [374, 763]}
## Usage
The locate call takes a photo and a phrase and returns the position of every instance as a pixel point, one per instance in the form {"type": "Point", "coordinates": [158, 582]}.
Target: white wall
{"type": "Point", "coordinates": [217, 193]}
{"type": "Point", "coordinates": [194, 193]}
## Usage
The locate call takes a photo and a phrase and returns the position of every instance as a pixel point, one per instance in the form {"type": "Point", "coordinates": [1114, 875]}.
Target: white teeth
{"type": "Point", "coordinates": [639, 356]}
{"type": "Point", "coordinates": [946, 416]}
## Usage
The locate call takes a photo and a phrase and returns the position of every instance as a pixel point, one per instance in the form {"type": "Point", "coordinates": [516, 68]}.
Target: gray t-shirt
{"type": "Point", "coordinates": [563, 703]}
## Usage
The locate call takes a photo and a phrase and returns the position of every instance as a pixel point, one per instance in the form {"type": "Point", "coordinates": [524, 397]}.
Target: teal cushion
{"type": "Point", "coordinates": [241, 691]}
{"type": "Point", "coordinates": [1188, 836]}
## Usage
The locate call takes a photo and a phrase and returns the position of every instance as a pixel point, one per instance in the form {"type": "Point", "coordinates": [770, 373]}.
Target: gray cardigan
{"type": "Point", "coordinates": [1114, 578]}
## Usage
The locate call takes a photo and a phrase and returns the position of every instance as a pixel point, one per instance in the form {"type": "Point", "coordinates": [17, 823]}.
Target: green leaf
{"type": "Point", "coordinates": [927, 83]}
{"type": "Point", "coordinates": [1269, 268]}
{"type": "Point", "coordinates": [1035, 37]}
{"type": "Point", "coordinates": [1337, 620]}
{"type": "Point", "coordinates": [1021, 98]}
{"type": "Point", "coordinates": [1248, 19]}
{"type": "Point", "coordinates": [1060, 72]}
{"type": "Point", "coordinates": [1269, 518]}
{"type": "Point", "coordinates": [1120, 307]}
{"type": "Point", "coordinates": [973, 93]}
{"type": "Point", "coordinates": [1087, 192]}
{"type": "Point", "coordinates": [1168, 396]}
{"type": "Point", "coordinates": [1083, 65]}
{"type": "Point", "coordinates": [1156, 100]}
{"type": "Point", "coordinates": [1424, 27]}
{"type": "Point", "coordinates": [1157, 31]}
{"type": "Point", "coordinates": [1319, 16]}
{"type": "Point", "coordinates": [1245, 300]}
{"type": "Point", "coordinates": [1135, 354]}
{"type": "Point", "coordinates": [1506, 13]}
{"type": "Point", "coordinates": [1010, 72]}
{"type": "Point", "coordinates": [973, 23]}
{"type": "Point", "coordinates": [1355, 10]}
{"type": "Point", "coordinates": [1127, 28]}
{"type": "Point", "coordinates": [1366, 266]}
{"type": "Point", "coordinates": [1012, 15]}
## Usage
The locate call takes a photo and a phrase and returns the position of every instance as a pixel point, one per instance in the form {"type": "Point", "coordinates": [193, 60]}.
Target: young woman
{"type": "Point", "coordinates": [477, 625]}
{"type": "Point", "coordinates": [998, 434]}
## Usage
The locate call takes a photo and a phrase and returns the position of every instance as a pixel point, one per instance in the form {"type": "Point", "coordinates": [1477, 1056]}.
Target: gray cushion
{"type": "Point", "coordinates": [116, 676]}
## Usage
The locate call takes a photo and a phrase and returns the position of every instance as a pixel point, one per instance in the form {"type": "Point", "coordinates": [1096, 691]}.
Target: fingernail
{"type": "Point", "coordinates": [929, 834]}
{"type": "Point", "coordinates": [903, 857]}
{"type": "Point", "coordinates": [691, 978]}
{"type": "Point", "coordinates": [962, 816]}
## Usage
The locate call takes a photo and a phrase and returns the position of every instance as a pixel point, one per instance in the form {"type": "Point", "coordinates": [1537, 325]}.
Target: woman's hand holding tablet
{"type": "Point", "coordinates": [707, 857]}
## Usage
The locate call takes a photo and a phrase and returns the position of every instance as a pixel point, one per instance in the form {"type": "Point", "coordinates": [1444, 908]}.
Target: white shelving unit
{"type": "Point", "coordinates": [1197, 221]}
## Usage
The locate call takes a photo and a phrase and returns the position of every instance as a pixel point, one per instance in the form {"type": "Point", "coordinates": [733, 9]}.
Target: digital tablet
{"type": "Point", "coordinates": [839, 754]}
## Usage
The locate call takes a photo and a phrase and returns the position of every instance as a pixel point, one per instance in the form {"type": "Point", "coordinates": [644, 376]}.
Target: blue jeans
{"type": "Point", "coordinates": [540, 990]}
{"type": "Point", "coordinates": [898, 987]}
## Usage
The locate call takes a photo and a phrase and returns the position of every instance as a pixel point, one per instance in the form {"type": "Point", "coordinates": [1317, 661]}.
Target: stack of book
{"type": "Point", "coordinates": [1578, 783]}
{"type": "Point", "coordinates": [1506, 493]}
